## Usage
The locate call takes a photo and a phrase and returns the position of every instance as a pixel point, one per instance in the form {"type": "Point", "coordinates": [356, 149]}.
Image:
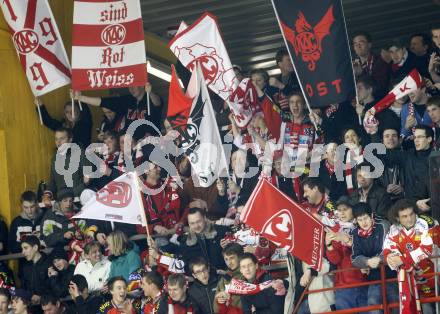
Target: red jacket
{"type": "Point", "coordinates": [162, 208]}
{"type": "Point", "coordinates": [340, 256]}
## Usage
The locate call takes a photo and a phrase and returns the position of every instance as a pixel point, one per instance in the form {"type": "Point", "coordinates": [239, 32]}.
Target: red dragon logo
{"type": "Point", "coordinates": [306, 40]}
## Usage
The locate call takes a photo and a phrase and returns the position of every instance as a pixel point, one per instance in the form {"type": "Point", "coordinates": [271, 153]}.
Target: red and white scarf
{"type": "Point", "coordinates": [366, 233]}
{"type": "Point", "coordinates": [240, 287]}
{"type": "Point", "coordinates": [408, 294]}
{"type": "Point", "coordinates": [353, 156]}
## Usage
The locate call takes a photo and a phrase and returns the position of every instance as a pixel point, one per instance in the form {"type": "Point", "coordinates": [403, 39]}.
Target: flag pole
{"type": "Point", "coordinates": [141, 205]}
{"type": "Point", "coordinates": [37, 100]}
{"type": "Point", "coordinates": [351, 58]}
{"type": "Point", "coordinates": [148, 103]}
{"type": "Point", "coordinates": [73, 107]}
{"type": "Point", "coordinates": [148, 93]}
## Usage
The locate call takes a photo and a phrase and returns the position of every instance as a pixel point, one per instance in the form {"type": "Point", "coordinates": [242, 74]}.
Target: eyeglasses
{"type": "Point", "coordinates": [204, 270]}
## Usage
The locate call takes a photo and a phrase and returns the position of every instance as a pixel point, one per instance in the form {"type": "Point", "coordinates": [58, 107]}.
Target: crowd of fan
{"type": "Point", "coordinates": [198, 243]}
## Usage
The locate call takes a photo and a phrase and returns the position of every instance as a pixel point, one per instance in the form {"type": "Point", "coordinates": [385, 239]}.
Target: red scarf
{"type": "Point", "coordinates": [408, 294]}
{"type": "Point", "coordinates": [366, 233]}
{"type": "Point", "coordinates": [180, 309]}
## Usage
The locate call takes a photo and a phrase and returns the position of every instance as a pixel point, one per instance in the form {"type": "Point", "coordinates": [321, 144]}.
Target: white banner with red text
{"type": "Point", "coordinates": [108, 48]}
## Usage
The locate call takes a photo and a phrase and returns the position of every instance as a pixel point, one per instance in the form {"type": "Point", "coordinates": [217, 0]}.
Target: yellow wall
{"type": "Point", "coordinates": [26, 147]}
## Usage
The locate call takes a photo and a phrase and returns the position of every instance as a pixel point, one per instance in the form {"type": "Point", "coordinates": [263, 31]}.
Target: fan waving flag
{"type": "Point", "coordinates": [200, 138]}
{"type": "Point", "coordinates": [202, 42]}
{"type": "Point", "coordinates": [315, 35]}
{"type": "Point", "coordinates": [108, 48]}
{"type": "Point", "coordinates": [280, 220]}
{"type": "Point", "coordinates": [38, 43]}
{"type": "Point", "coordinates": [118, 201]}
{"type": "Point", "coordinates": [408, 85]}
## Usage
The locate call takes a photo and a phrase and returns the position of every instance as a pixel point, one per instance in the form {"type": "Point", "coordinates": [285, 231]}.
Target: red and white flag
{"type": "Point", "coordinates": [118, 201]}
{"type": "Point", "coordinates": [201, 42]}
{"type": "Point", "coordinates": [280, 220]}
{"type": "Point", "coordinates": [408, 85]}
{"type": "Point", "coordinates": [108, 48]}
{"type": "Point", "coordinates": [243, 102]}
{"type": "Point", "coordinates": [38, 43]}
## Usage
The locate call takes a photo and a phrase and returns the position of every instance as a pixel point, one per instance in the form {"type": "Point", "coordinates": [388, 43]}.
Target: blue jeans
{"type": "Point", "coordinates": [350, 298]}
{"type": "Point", "coordinates": [375, 296]}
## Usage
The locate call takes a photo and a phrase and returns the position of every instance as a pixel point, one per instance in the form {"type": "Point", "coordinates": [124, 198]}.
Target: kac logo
{"type": "Point", "coordinates": [306, 40]}
{"type": "Point", "coordinates": [115, 194]}
{"type": "Point", "coordinates": [279, 229]}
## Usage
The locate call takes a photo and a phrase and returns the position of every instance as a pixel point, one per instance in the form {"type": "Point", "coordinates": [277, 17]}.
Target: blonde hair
{"type": "Point", "coordinates": [119, 242]}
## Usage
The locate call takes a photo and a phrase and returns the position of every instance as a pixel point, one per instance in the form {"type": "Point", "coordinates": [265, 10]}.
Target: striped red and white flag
{"type": "Point", "coordinates": [38, 43]}
{"type": "Point", "coordinates": [108, 48]}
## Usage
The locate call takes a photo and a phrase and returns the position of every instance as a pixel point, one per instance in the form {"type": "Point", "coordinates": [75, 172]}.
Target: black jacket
{"type": "Point", "coordinates": [345, 117]}
{"type": "Point", "coordinates": [134, 110]}
{"type": "Point", "coordinates": [336, 188]}
{"type": "Point", "coordinates": [206, 245]}
{"type": "Point", "coordinates": [20, 227]}
{"type": "Point", "coordinates": [203, 296]}
{"type": "Point", "coordinates": [367, 247]}
{"type": "Point", "coordinates": [81, 306]}
{"type": "Point", "coordinates": [392, 175]}
{"type": "Point", "coordinates": [265, 302]}
{"type": "Point", "coordinates": [82, 131]}
{"type": "Point", "coordinates": [59, 284]}
{"type": "Point", "coordinates": [286, 185]}
{"type": "Point", "coordinates": [3, 236]}
{"type": "Point", "coordinates": [416, 168]}
{"type": "Point", "coordinates": [34, 276]}
{"type": "Point", "coordinates": [377, 198]}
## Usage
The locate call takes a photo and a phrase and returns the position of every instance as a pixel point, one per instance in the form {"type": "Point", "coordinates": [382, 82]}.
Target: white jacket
{"type": "Point", "coordinates": [96, 275]}
{"type": "Point", "coordinates": [320, 302]}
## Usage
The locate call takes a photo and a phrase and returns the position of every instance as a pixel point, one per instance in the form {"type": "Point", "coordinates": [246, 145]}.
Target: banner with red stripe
{"type": "Point", "coordinates": [38, 43]}
{"type": "Point", "coordinates": [108, 48]}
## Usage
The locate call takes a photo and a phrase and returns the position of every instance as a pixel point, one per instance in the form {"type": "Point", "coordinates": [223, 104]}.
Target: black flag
{"type": "Point", "coordinates": [315, 34]}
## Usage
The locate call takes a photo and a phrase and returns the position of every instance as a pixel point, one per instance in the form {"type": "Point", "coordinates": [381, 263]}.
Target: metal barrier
{"type": "Point", "coordinates": [385, 307]}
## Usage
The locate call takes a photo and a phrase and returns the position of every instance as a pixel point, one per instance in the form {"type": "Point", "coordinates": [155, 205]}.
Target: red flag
{"type": "Point", "coordinates": [277, 218]}
{"type": "Point", "coordinates": [272, 117]}
{"type": "Point", "coordinates": [179, 105]}
{"type": "Point", "coordinates": [408, 85]}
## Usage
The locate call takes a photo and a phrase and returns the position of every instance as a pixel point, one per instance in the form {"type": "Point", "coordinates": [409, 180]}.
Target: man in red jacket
{"type": "Point", "coordinates": [338, 241]}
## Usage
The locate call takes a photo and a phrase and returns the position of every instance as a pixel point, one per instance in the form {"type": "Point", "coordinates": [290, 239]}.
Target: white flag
{"type": "Point", "coordinates": [118, 201]}
{"type": "Point", "coordinates": [201, 139]}
{"type": "Point", "coordinates": [38, 43]}
{"type": "Point", "coordinates": [202, 43]}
